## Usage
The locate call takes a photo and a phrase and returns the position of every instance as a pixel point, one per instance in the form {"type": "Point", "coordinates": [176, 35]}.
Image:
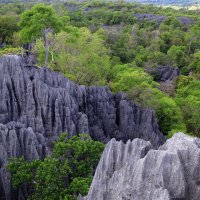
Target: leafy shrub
{"type": "Point", "coordinates": [12, 51]}
{"type": "Point", "coordinates": [64, 175]}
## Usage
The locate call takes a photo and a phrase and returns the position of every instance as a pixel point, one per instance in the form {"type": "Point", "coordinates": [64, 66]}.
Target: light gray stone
{"type": "Point", "coordinates": [136, 171]}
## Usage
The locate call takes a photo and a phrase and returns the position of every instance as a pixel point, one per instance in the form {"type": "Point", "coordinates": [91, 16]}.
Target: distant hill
{"type": "Point", "coordinates": [168, 2]}
{"type": "Point", "coordinates": [159, 2]}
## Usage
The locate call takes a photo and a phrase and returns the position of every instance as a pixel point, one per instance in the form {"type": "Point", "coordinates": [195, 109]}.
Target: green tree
{"type": "Point", "coordinates": [80, 55]}
{"type": "Point", "coordinates": [177, 55]}
{"type": "Point", "coordinates": [192, 38]}
{"type": "Point", "coordinates": [8, 25]}
{"type": "Point", "coordinates": [195, 65]}
{"type": "Point", "coordinates": [188, 98]}
{"type": "Point", "coordinates": [38, 22]}
{"type": "Point", "coordinates": [64, 175]}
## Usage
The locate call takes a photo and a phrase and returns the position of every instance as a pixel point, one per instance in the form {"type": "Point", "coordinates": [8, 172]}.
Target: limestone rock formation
{"type": "Point", "coordinates": [36, 105]}
{"type": "Point", "coordinates": [50, 104]}
{"type": "Point", "coordinates": [166, 76]}
{"type": "Point", "coordinates": [186, 20]}
{"type": "Point", "coordinates": [150, 17]}
{"type": "Point", "coordinates": [136, 171]}
{"type": "Point", "coordinates": [164, 73]}
{"type": "Point", "coordinates": [158, 19]}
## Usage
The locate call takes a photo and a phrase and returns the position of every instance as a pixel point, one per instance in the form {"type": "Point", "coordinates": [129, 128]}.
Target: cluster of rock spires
{"type": "Point", "coordinates": [36, 105]}
{"type": "Point", "coordinates": [169, 2]}
{"type": "Point", "coordinates": [161, 18]}
{"type": "Point", "coordinates": [165, 73]}
{"type": "Point", "coordinates": [136, 171]}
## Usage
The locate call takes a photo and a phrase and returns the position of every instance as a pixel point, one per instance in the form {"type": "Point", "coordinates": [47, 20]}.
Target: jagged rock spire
{"type": "Point", "coordinates": [136, 171]}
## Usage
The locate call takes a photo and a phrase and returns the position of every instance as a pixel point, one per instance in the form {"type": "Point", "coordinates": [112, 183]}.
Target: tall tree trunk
{"type": "Point", "coordinates": [52, 56]}
{"type": "Point", "coordinates": [46, 56]}
{"type": "Point", "coordinates": [47, 44]}
{"type": "Point", "coordinates": [46, 47]}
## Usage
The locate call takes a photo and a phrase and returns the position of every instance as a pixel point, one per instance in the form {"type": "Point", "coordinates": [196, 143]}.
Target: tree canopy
{"type": "Point", "coordinates": [64, 175]}
{"type": "Point", "coordinates": [33, 22]}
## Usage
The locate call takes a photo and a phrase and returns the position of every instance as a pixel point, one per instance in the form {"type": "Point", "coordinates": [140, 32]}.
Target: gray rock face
{"type": "Point", "coordinates": [161, 18]}
{"type": "Point", "coordinates": [166, 76]}
{"type": "Point", "coordinates": [186, 20]}
{"type": "Point", "coordinates": [164, 73]}
{"type": "Point", "coordinates": [167, 73]}
{"type": "Point", "coordinates": [135, 171]}
{"type": "Point", "coordinates": [150, 17]}
{"type": "Point", "coordinates": [36, 105]}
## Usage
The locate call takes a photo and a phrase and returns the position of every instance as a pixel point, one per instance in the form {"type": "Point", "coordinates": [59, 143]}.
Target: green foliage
{"type": "Point", "coordinates": [126, 77]}
{"type": "Point", "coordinates": [33, 22]}
{"type": "Point", "coordinates": [12, 8]}
{"type": "Point", "coordinates": [23, 171]}
{"type": "Point", "coordinates": [121, 46]}
{"type": "Point", "coordinates": [80, 55]}
{"type": "Point", "coordinates": [8, 25]}
{"type": "Point", "coordinates": [177, 55]}
{"type": "Point", "coordinates": [11, 51]}
{"type": "Point", "coordinates": [188, 98]}
{"type": "Point", "coordinates": [195, 65]}
{"type": "Point", "coordinates": [64, 175]}
{"type": "Point", "coordinates": [79, 185]}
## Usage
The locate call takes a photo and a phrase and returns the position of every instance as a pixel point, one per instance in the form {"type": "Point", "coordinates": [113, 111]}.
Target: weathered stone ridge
{"type": "Point", "coordinates": [135, 171]}
{"type": "Point", "coordinates": [50, 104]}
{"type": "Point", "coordinates": [36, 105]}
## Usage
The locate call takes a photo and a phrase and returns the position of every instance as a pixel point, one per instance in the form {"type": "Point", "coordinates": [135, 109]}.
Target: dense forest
{"type": "Point", "coordinates": [124, 46]}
